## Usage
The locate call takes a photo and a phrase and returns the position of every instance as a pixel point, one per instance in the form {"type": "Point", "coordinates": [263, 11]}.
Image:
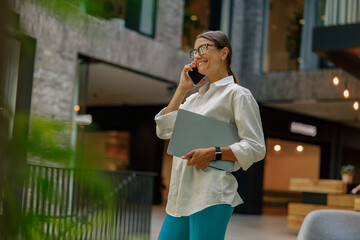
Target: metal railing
{"type": "Point", "coordinates": [88, 204]}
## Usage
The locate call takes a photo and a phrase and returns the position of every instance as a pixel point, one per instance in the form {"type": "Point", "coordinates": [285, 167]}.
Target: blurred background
{"type": "Point", "coordinates": [81, 82]}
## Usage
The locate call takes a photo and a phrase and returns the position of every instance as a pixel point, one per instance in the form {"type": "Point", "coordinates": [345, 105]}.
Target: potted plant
{"type": "Point", "coordinates": [347, 173]}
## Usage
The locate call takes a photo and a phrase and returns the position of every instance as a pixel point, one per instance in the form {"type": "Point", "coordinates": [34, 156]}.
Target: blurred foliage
{"type": "Point", "coordinates": [293, 38]}
{"type": "Point", "coordinates": [347, 169]}
{"type": "Point", "coordinates": [63, 9]}
{"type": "Point", "coordinates": [44, 191]}
{"type": "Point", "coordinates": [189, 24]}
{"type": "Point", "coordinates": [69, 9]}
{"type": "Point", "coordinates": [46, 142]}
{"type": "Point", "coordinates": [106, 9]}
{"type": "Point", "coordinates": [37, 221]}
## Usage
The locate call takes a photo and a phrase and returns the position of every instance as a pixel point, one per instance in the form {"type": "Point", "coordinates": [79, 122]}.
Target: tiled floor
{"type": "Point", "coordinates": [247, 227]}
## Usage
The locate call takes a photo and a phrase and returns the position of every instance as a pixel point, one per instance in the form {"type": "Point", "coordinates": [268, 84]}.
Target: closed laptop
{"type": "Point", "coordinates": [192, 131]}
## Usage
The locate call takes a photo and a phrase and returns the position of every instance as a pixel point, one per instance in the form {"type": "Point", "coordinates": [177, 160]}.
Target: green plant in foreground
{"type": "Point", "coordinates": [45, 191]}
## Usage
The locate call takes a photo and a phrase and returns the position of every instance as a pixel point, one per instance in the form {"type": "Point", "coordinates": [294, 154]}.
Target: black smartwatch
{"type": "Point", "coordinates": [218, 153]}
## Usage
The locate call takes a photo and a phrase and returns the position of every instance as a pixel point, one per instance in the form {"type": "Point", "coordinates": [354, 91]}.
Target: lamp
{"type": "Point", "coordinates": [277, 148]}
{"type": "Point", "coordinates": [356, 105]}
{"type": "Point", "coordinates": [299, 148]}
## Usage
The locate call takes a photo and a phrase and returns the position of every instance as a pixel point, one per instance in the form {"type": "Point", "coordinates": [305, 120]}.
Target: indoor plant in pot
{"type": "Point", "coordinates": [347, 173]}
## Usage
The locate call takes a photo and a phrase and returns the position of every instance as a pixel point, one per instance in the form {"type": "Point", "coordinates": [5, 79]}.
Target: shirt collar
{"type": "Point", "coordinates": [222, 82]}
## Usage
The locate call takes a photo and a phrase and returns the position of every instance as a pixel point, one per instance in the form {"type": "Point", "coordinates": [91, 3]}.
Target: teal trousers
{"type": "Point", "coordinates": [208, 224]}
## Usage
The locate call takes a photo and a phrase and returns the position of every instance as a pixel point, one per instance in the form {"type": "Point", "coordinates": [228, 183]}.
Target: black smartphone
{"type": "Point", "coordinates": [195, 75]}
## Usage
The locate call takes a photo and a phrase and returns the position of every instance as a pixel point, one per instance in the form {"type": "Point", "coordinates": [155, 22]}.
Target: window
{"type": "Point", "coordinates": [10, 73]}
{"type": "Point", "coordinates": [339, 12]}
{"type": "Point", "coordinates": [200, 16]}
{"type": "Point", "coordinates": [285, 20]}
{"type": "Point", "coordinates": [321, 21]}
{"type": "Point", "coordinates": [138, 15]}
{"type": "Point", "coordinates": [320, 13]}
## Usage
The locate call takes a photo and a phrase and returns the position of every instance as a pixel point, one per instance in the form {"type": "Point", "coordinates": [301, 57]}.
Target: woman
{"type": "Point", "coordinates": [201, 199]}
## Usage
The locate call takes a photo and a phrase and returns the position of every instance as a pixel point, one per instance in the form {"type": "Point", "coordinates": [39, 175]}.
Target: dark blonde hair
{"type": "Point", "coordinates": [220, 40]}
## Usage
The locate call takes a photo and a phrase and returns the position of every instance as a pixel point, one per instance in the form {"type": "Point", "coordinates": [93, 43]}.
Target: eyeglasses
{"type": "Point", "coordinates": [202, 49]}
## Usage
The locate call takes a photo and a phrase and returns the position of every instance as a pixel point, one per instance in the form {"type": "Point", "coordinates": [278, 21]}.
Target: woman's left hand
{"type": "Point", "coordinates": [200, 158]}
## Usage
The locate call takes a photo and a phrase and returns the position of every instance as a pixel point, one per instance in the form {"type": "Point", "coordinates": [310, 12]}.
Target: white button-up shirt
{"type": "Point", "coordinates": [192, 189]}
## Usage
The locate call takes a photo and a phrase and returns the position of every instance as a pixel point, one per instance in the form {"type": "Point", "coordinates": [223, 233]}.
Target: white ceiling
{"type": "Point", "coordinates": [110, 85]}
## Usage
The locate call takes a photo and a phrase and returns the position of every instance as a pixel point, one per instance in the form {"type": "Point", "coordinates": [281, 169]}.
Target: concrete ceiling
{"type": "Point", "coordinates": [339, 44]}
{"type": "Point", "coordinates": [109, 85]}
{"type": "Point", "coordinates": [113, 86]}
{"type": "Point", "coordinates": [336, 111]}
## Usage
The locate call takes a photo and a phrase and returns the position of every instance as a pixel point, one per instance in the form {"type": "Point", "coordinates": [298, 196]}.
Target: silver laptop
{"type": "Point", "coordinates": [193, 131]}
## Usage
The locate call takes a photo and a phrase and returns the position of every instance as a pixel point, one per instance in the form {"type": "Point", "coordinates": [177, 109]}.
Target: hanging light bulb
{"type": "Point", "coordinates": [299, 148]}
{"type": "Point", "coordinates": [356, 105]}
{"type": "Point", "coordinates": [277, 148]}
{"type": "Point", "coordinates": [336, 80]}
{"type": "Point", "coordinates": [194, 18]}
{"type": "Point", "coordinates": [346, 93]}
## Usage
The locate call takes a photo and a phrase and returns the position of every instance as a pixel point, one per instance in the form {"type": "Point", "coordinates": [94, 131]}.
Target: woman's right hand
{"type": "Point", "coordinates": [186, 84]}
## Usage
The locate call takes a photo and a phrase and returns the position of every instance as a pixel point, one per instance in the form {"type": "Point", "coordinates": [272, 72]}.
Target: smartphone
{"type": "Point", "coordinates": [195, 76]}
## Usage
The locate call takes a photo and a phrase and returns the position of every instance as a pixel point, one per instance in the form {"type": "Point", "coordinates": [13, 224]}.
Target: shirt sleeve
{"type": "Point", "coordinates": [251, 147]}
{"type": "Point", "coordinates": [165, 123]}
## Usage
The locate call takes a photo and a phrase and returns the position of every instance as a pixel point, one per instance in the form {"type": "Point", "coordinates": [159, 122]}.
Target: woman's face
{"type": "Point", "coordinates": [209, 62]}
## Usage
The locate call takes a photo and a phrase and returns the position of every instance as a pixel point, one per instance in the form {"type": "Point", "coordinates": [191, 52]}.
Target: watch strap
{"type": "Point", "coordinates": [218, 153]}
